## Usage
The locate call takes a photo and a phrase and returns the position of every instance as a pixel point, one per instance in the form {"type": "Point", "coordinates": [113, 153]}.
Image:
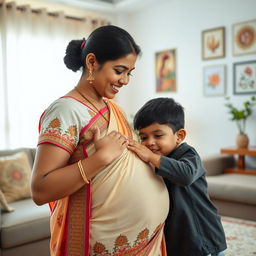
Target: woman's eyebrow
{"type": "Point", "coordinates": [124, 67]}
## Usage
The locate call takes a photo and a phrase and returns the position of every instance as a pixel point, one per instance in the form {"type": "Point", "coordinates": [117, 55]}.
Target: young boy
{"type": "Point", "coordinates": [193, 227]}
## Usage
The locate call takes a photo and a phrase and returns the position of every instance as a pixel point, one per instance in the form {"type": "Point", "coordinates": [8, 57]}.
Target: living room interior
{"type": "Point", "coordinates": [177, 27]}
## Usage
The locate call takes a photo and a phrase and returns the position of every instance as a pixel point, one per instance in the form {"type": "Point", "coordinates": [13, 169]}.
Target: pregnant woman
{"type": "Point", "coordinates": [104, 200]}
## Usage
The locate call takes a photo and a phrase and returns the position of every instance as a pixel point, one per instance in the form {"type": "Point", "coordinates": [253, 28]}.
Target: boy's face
{"type": "Point", "coordinates": [159, 138]}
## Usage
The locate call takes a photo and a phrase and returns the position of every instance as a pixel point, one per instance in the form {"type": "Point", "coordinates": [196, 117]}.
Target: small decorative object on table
{"type": "Point", "coordinates": [240, 117]}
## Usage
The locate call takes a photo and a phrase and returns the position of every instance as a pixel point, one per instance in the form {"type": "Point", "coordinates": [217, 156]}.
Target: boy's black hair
{"type": "Point", "coordinates": [108, 43]}
{"type": "Point", "coordinates": [160, 110]}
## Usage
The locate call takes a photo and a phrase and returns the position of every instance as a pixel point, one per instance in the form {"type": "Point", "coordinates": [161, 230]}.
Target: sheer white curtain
{"type": "Point", "coordinates": [32, 72]}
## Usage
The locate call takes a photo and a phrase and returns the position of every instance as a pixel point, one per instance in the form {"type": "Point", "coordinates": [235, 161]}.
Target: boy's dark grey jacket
{"type": "Point", "coordinates": [193, 227]}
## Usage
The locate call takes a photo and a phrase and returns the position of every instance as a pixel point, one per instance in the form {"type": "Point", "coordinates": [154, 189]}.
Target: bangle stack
{"type": "Point", "coordinates": [81, 169]}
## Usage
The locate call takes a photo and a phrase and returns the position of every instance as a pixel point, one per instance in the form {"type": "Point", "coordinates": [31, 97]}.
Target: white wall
{"type": "Point", "coordinates": [179, 24]}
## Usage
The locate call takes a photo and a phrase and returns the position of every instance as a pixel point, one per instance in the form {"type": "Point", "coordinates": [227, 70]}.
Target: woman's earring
{"type": "Point", "coordinates": [90, 78]}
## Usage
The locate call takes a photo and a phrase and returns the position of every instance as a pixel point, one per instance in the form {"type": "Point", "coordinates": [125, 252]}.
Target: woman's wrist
{"type": "Point", "coordinates": [92, 165]}
{"type": "Point", "coordinates": [103, 157]}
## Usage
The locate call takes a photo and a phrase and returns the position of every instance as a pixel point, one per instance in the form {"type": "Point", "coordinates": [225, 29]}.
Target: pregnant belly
{"type": "Point", "coordinates": [127, 199]}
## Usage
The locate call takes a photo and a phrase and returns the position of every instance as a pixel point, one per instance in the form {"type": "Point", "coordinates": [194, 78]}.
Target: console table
{"type": "Point", "coordinates": [241, 152]}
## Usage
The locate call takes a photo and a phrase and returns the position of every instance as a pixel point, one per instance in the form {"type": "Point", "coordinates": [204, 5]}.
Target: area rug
{"type": "Point", "coordinates": [240, 236]}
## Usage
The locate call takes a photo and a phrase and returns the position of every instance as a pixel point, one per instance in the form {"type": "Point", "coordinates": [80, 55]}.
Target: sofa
{"type": "Point", "coordinates": [25, 231]}
{"type": "Point", "coordinates": [234, 195]}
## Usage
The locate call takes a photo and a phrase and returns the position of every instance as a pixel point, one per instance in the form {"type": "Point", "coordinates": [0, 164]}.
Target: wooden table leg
{"type": "Point", "coordinates": [240, 162]}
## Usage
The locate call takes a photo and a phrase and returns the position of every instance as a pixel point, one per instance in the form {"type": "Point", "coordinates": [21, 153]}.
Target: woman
{"type": "Point", "coordinates": [104, 200]}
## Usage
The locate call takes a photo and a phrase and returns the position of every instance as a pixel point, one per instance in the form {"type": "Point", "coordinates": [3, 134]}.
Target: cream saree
{"type": "Point", "coordinates": [121, 212]}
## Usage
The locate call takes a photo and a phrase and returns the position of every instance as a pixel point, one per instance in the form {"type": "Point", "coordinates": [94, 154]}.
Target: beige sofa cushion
{"type": "Point", "coordinates": [26, 224]}
{"type": "Point", "coordinates": [233, 187]}
{"type": "Point", "coordinates": [15, 174]}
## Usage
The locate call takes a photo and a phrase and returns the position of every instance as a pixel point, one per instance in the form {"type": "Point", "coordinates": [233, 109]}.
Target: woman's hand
{"type": "Point", "coordinates": [110, 146]}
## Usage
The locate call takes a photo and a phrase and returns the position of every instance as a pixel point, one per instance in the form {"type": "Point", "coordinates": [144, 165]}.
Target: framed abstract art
{"type": "Point", "coordinates": [213, 43]}
{"type": "Point", "coordinates": [165, 68]}
{"type": "Point", "coordinates": [244, 38]}
{"type": "Point", "coordinates": [214, 80]}
{"type": "Point", "coordinates": [244, 77]}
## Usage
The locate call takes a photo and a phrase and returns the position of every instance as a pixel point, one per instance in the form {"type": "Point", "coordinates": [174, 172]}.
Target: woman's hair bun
{"type": "Point", "coordinates": [72, 58]}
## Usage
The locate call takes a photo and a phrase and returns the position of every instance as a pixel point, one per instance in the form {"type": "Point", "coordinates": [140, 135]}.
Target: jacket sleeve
{"type": "Point", "coordinates": [183, 171]}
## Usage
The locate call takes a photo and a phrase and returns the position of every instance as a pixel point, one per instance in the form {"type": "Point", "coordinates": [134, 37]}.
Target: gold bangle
{"type": "Point", "coordinates": [81, 169]}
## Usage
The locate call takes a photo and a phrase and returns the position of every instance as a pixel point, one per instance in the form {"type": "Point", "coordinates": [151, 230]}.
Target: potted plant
{"type": "Point", "coordinates": [240, 116]}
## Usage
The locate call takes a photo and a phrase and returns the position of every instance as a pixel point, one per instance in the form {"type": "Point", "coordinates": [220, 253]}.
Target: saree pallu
{"type": "Point", "coordinates": [121, 212]}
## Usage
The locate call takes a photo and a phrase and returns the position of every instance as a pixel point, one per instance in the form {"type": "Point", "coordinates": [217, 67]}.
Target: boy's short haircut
{"type": "Point", "coordinates": [160, 110]}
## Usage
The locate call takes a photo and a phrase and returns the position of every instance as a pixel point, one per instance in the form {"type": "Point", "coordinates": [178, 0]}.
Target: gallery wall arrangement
{"type": "Point", "coordinates": [214, 47]}
{"type": "Point", "coordinates": [214, 76]}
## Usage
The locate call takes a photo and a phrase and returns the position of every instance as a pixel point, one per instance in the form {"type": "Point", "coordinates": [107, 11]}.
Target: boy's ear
{"type": "Point", "coordinates": [181, 135]}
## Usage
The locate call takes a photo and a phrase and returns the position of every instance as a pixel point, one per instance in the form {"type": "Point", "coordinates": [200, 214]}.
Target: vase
{"type": "Point", "coordinates": [242, 140]}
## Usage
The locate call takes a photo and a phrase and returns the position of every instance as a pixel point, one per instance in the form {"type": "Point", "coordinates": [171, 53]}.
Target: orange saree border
{"type": "Point", "coordinates": [70, 225]}
{"type": "Point", "coordinates": [72, 219]}
{"type": "Point", "coordinates": [123, 126]}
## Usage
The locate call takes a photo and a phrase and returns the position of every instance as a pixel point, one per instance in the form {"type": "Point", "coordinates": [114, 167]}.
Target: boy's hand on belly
{"type": "Point", "coordinates": [144, 153]}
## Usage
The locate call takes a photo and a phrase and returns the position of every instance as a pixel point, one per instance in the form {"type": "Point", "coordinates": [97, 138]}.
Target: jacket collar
{"type": "Point", "coordinates": [179, 151]}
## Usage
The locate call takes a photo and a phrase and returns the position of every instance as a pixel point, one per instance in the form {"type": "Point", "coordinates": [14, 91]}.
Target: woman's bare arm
{"type": "Point", "coordinates": [52, 179]}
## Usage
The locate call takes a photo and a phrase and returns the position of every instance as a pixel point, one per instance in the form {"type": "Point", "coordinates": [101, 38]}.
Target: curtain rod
{"type": "Point", "coordinates": [52, 14]}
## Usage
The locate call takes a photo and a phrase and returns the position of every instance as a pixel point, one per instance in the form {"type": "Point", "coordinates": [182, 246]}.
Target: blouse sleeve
{"type": "Point", "coordinates": [60, 125]}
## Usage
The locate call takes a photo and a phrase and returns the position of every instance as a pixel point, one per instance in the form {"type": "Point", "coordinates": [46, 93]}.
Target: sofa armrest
{"type": "Point", "coordinates": [216, 164]}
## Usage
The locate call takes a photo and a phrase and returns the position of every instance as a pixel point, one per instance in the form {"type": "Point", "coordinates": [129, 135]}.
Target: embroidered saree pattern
{"type": "Point", "coordinates": [123, 247]}
{"type": "Point", "coordinates": [122, 211]}
{"type": "Point", "coordinates": [53, 133]}
{"type": "Point", "coordinates": [60, 124]}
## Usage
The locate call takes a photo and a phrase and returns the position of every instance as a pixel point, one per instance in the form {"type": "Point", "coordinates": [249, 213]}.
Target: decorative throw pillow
{"type": "Point", "coordinates": [15, 174]}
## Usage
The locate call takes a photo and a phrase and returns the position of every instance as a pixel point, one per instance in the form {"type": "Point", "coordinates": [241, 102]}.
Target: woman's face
{"type": "Point", "coordinates": [112, 75]}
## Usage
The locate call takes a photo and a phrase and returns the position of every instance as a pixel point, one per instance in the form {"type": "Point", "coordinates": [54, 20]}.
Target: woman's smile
{"type": "Point", "coordinates": [115, 88]}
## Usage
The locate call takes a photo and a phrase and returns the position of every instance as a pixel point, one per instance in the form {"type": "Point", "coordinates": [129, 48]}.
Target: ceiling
{"type": "Point", "coordinates": [110, 1]}
{"type": "Point", "coordinates": [109, 6]}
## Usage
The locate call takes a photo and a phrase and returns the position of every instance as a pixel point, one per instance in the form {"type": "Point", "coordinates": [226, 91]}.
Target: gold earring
{"type": "Point", "coordinates": [90, 78]}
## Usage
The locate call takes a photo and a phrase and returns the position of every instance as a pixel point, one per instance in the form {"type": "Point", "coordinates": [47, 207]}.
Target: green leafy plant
{"type": "Point", "coordinates": [240, 115]}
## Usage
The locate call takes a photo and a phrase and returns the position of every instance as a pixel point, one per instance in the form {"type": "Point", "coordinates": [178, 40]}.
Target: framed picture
{"type": "Point", "coordinates": [244, 77]}
{"type": "Point", "coordinates": [244, 38]}
{"type": "Point", "coordinates": [213, 43]}
{"type": "Point", "coordinates": [214, 80]}
{"type": "Point", "coordinates": [165, 68]}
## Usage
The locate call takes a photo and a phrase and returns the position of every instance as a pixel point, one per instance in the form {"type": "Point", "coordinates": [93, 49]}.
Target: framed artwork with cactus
{"type": "Point", "coordinates": [214, 80]}
{"type": "Point", "coordinates": [213, 43]}
{"type": "Point", "coordinates": [244, 77]}
{"type": "Point", "coordinates": [244, 38]}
